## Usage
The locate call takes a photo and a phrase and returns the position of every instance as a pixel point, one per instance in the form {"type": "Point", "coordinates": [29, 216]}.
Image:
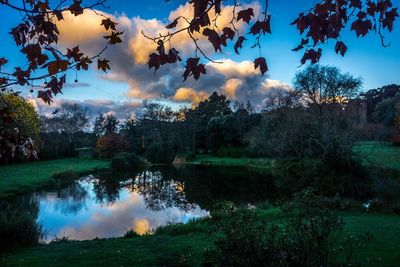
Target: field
{"type": "Point", "coordinates": [188, 242]}
{"type": "Point", "coordinates": [380, 154]}
{"type": "Point", "coordinates": [20, 178]}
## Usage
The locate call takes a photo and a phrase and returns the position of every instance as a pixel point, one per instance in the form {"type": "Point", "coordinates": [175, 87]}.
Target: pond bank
{"type": "Point", "coordinates": [189, 241]}
{"type": "Point", "coordinates": [26, 177]}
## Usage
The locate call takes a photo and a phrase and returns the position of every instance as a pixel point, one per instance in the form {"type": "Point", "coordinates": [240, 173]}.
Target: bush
{"type": "Point", "coordinates": [126, 161]}
{"type": "Point", "coordinates": [109, 145]}
{"type": "Point", "coordinates": [308, 237]}
{"type": "Point", "coordinates": [157, 153]}
{"type": "Point", "coordinates": [131, 234]}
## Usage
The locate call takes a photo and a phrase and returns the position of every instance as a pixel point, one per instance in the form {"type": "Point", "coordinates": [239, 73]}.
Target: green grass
{"type": "Point", "coordinates": [245, 162]}
{"type": "Point", "coordinates": [20, 178]}
{"type": "Point", "coordinates": [380, 154]}
{"type": "Point", "coordinates": [148, 250]}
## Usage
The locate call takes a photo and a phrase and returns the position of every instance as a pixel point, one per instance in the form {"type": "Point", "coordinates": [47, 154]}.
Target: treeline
{"type": "Point", "coordinates": [325, 111]}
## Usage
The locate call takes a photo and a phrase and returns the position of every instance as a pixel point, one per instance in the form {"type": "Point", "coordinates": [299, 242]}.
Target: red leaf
{"type": "Point", "coordinates": [108, 24]}
{"type": "Point", "coordinates": [340, 48]}
{"type": "Point", "coordinates": [361, 27]}
{"type": "Point", "coordinates": [172, 24]}
{"type": "Point", "coordinates": [245, 15]}
{"type": "Point", "coordinates": [193, 68]}
{"type": "Point", "coordinates": [154, 61]}
{"type": "Point", "coordinates": [239, 44]}
{"type": "Point", "coordinates": [262, 64]}
{"type": "Point", "coordinates": [114, 37]}
{"type": "Point", "coordinates": [311, 55]}
{"type": "Point", "coordinates": [213, 37]}
{"type": "Point", "coordinates": [228, 32]}
{"type": "Point", "coordinates": [103, 64]}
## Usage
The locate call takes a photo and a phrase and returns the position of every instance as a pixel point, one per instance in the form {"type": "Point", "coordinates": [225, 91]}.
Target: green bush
{"type": "Point", "coordinates": [126, 161]}
{"type": "Point", "coordinates": [131, 234]}
{"type": "Point", "coordinates": [307, 237]}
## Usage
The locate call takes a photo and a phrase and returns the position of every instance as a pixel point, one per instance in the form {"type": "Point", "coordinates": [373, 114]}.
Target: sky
{"type": "Point", "coordinates": [130, 84]}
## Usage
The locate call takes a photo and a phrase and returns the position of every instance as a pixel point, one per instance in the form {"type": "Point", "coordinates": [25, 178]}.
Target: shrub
{"type": "Point", "coordinates": [157, 153]}
{"type": "Point", "coordinates": [126, 161]}
{"type": "Point", "coordinates": [109, 145]}
{"type": "Point", "coordinates": [308, 237]}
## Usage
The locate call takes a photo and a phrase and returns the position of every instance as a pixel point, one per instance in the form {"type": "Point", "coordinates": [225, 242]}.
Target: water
{"type": "Point", "coordinates": [103, 205]}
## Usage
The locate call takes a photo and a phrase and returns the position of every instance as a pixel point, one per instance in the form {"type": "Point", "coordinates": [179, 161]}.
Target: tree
{"type": "Point", "coordinates": [21, 124]}
{"type": "Point", "coordinates": [105, 125]}
{"type": "Point", "coordinates": [323, 85]}
{"type": "Point", "coordinates": [71, 118]}
{"type": "Point", "coordinates": [396, 136]}
{"type": "Point", "coordinates": [46, 66]}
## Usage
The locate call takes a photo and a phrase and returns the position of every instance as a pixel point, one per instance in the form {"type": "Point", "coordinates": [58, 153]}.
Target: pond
{"type": "Point", "coordinates": [107, 205]}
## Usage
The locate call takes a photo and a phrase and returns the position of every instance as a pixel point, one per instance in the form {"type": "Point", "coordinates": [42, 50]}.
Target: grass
{"type": "Point", "coordinates": [189, 243]}
{"type": "Point", "coordinates": [21, 178]}
{"type": "Point", "coordinates": [380, 153]}
{"type": "Point", "coordinates": [245, 162]}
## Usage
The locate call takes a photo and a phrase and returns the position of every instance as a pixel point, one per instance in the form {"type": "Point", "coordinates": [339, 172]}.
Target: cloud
{"type": "Point", "coordinates": [122, 110]}
{"type": "Point", "coordinates": [238, 80]}
{"type": "Point", "coordinates": [185, 94]}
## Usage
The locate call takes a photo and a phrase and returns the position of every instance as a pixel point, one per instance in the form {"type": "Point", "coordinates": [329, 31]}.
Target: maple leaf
{"type": "Point", "coordinates": [103, 64]}
{"type": "Point", "coordinates": [108, 24]}
{"type": "Point", "coordinates": [76, 8]}
{"type": "Point", "coordinates": [340, 48]}
{"type": "Point", "coordinates": [114, 37]}
{"type": "Point", "coordinates": [54, 67]}
{"type": "Point", "coordinates": [213, 37]}
{"type": "Point", "coordinates": [172, 24]}
{"type": "Point", "coordinates": [361, 27]}
{"type": "Point", "coordinates": [228, 32]}
{"type": "Point", "coordinates": [390, 17]}
{"type": "Point", "coordinates": [84, 63]}
{"type": "Point", "coordinates": [154, 61]}
{"type": "Point", "coordinates": [193, 68]}
{"type": "Point", "coordinates": [256, 28]}
{"type": "Point", "coordinates": [74, 53]}
{"type": "Point", "coordinates": [239, 44]}
{"type": "Point", "coordinates": [311, 55]}
{"type": "Point", "coordinates": [3, 61]}
{"type": "Point", "coordinates": [245, 15]}
{"type": "Point", "coordinates": [301, 45]}
{"type": "Point", "coordinates": [262, 64]}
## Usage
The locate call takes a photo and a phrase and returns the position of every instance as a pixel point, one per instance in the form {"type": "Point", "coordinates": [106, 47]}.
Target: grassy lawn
{"type": "Point", "coordinates": [19, 178]}
{"type": "Point", "coordinates": [379, 153]}
{"type": "Point", "coordinates": [190, 242]}
{"type": "Point", "coordinates": [248, 162]}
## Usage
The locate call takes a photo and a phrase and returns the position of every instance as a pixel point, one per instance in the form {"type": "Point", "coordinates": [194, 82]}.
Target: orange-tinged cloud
{"type": "Point", "coordinates": [185, 94]}
{"type": "Point", "coordinates": [231, 86]}
{"type": "Point", "coordinates": [141, 226]}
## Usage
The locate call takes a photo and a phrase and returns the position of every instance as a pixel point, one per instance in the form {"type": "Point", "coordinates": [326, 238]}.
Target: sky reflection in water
{"type": "Point", "coordinates": [77, 212]}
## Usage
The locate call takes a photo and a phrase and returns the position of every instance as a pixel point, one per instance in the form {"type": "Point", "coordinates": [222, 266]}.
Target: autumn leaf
{"type": "Point", "coordinates": [261, 63]}
{"type": "Point", "coordinates": [239, 44]}
{"type": "Point", "coordinates": [361, 27]}
{"type": "Point", "coordinates": [245, 15]}
{"type": "Point", "coordinates": [114, 37]}
{"type": "Point", "coordinates": [311, 55]}
{"type": "Point", "coordinates": [54, 67]}
{"type": "Point", "coordinates": [340, 48]}
{"type": "Point", "coordinates": [103, 64]}
{"type": "Point", "coordinates": [3, 61]}
{"type": "Point", "coordinates": [108, 24]}
{"type": "Point", "coordinates": [154, 61]}
{"type": "Point", "coordinates": [172, 24]}
{"type": "Point", "coordinates": [76, 8]}
{"type": "Point", "coordinates": [213, 37]}
{"type": "Point", "coordinates": [193, 68]}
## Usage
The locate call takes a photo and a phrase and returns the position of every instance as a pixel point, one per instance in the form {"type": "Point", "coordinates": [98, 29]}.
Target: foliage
{"type": "Point", "coordinates": [308, 237]}
{"type": "Point", "coordinates": [323, 85]}
{"type": "Point", "coordinates": [396, 135]}
{"type": "Point", "coordinates": [126, 161]}
{"type": "Point", "coordinates": [105, 125]}
{"type": "Point", "coordinates": [109, 145]}
{"type": "Point", "coordinates": [21, 124]}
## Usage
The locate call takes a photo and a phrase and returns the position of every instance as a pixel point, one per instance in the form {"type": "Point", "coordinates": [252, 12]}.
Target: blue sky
{"type": "Point", "coordinates": [366, 57]}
